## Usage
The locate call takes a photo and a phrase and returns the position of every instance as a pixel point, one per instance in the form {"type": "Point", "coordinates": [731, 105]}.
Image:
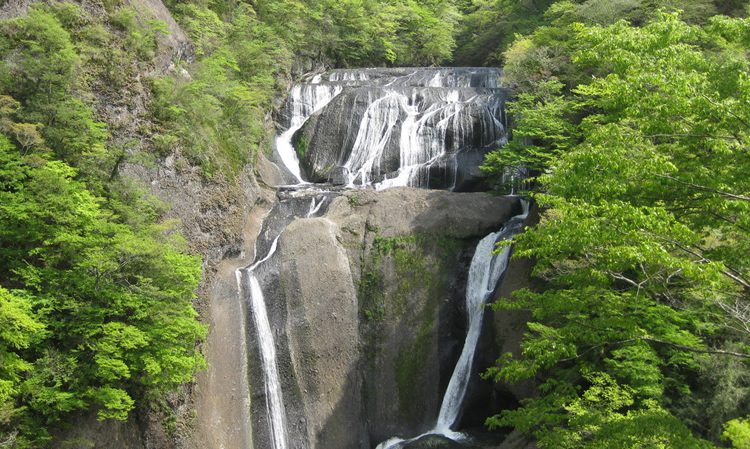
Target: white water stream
{"type": "Point", "coordinates": [274, 399]}
{"type": "Point", "coordinates": [305, 100]}
{"type": "Point", "coordinates": [423, 136]}
{"type": "Point", "coordinates": [248, 282]}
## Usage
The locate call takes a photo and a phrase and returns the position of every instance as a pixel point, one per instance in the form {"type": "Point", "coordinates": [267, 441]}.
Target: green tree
{"type": "Point", "coordinates": [38, 68]}
{"type": "Point", "coordinates": [542, 131]}
{"type": "Point", "coordinates": [18, 330]}
{"type": "Point", "coordinates": [644, 244]}
{"type": "Point", "coordinates": [425, 33]}
{"type": "Point", "coordinates": [487, 28]}
{"type": "Point", "coordinates": [738, 432]}
{"type": "Point", "coordinates": [114, 297]}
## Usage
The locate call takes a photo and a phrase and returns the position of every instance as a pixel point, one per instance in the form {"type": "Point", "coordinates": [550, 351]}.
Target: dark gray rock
{"type": "Point", "coordinates": [434, 442]}
{"type": "Point", "coordinates": [339, 176]}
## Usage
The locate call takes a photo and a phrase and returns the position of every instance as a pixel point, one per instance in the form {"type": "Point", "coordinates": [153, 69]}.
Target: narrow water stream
{"type": "Point", "coordinates": [304, 100]}
{"type": "Point", "coordinates": [274, 395]}
{"type": "Point", "coordinates": [249, 286]}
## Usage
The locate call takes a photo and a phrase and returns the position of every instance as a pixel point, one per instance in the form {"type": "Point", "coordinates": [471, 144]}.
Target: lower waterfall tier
{"type": "Point", "coordinates": [366, 303]}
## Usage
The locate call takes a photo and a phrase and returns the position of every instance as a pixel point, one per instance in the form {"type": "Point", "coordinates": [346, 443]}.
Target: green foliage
{"type": "Point", "coordinates": [20, 329]}
{"type": "Point", "coordinates": [95, 290]}
{"type": "Point", "coordinates": [738, 432]}
{"type": "Point", "coordinates": [38, 69]}
{"type": "Point", "coordinates": [46, 60]}
{"type": "Point", "coordinates": [366, 32]}
{"type": "Point", "coordinates": [141, 34]}
{"type": "Point", "coordinates": [215, 117]}
{"type": "Point", "coordinates": [301, 148]}
{"type": "Point", "coordinates": [542, 131]}
{"type": "Point", "coordinates": [487, 27]}
{"type": "Point", "coordinates": [544, 113]}
{"type": "Point", "coordinates": [719, 393]}
{"type": "Point", "coordinates": [603, 417]}
{"type": "Point", "coordinates": [644, 244]}
{"type": "Point", "coordinates": [206, 30]}
{"type": "Point", "coordinates": [425, 33]}
{"type": "Point", "coordinates": [114, 299]}
{"type": "Point", "coordinates": [262, 57]}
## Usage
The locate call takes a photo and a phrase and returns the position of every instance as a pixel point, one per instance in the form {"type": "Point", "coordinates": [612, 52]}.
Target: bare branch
{"type": "Point", "coordinates": [727, 110]}
{"type": "Point", "coordinates": [688, 348]}
{"type": "Point", "coordinates": [663, 342]}
{"type": "Point", "coordinates": [729, 220]}
{"type": "Point", "coordinates": [700, 136]}
{"type": "Point", "coordinates": [704, 188]}
{"type": "Point", "coordinates": [730, 273]}
{"type": "Point", "coordinates": [619, 276]}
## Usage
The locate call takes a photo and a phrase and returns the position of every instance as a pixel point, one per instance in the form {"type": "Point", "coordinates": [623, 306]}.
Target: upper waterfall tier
{"type": "Point", "coordinates": [419, 127]}
{"type": "Point", "coordinates": [415, 76]}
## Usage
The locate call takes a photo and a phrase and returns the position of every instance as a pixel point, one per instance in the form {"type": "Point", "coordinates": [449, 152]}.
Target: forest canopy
{"type": "Point", "coordinates": [96, 289]}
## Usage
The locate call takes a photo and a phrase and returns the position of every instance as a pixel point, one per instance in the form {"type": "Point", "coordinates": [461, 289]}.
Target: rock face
{"type": "Point", "coordinates": [367, 302]}
{"type": "Point", "coordinates": [322, 326]}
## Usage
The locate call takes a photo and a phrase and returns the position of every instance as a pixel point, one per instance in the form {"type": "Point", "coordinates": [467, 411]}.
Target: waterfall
{"type": "Point", "coordinates": [274, 398]}
{"type": "Point", "coordinates": [250, 281]}
{"type": "Point", "coordinates": [426, 134]}
{"type": "Point", "coordinates": [304, 100]}
{"type": "Point", "coordinates": [484, 273]}
{"type": "Point", "coordinates": [422, 128]}
{"type": "Point", "coordinates": [375, 130]}
{"type": "Point", "coordinates": [432, 133]}
{"type": "Point", "coordinates": [393, 127]}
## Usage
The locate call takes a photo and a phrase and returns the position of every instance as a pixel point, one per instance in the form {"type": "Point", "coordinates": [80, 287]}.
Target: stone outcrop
{"type": "Point", "coordinates": [323, 332]}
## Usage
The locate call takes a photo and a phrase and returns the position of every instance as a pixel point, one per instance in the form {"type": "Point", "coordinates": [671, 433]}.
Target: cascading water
{"type": "Point", "coordinates": [314, 207]}
{"type": "Point", "coordinates": [304, 100]}
{"type": "Point", "coordinates": [433, 133]}
{"type": "Point", "coordinates": [274, 397]}
{"type": "Point", "coordinates": [249, 284]}
{"type": "Point", "coordinates": [426, 128]}
{"type": "Point", "coordinates": [484, 274]}
{"type": "Point", "coordinates": [375, 131]}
